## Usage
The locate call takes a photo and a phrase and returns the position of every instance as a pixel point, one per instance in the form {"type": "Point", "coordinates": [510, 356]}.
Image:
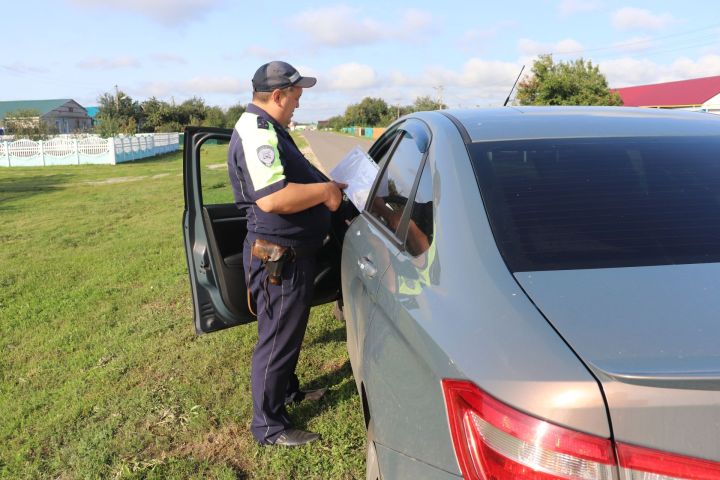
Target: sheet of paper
{"type": "Point", "coordinates": [358, 170]}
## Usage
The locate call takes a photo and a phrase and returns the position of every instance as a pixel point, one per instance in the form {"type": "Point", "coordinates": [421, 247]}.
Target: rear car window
{"type": "Point", "coordinates": [599, 203]}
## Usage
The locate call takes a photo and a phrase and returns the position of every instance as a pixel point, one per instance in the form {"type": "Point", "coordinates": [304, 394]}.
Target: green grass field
{"type": "Point", "coordinates": [101, 374]}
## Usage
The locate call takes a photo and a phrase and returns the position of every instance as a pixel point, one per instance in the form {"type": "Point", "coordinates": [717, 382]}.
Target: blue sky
{"type": "Point", "coordinates": [468, 52]}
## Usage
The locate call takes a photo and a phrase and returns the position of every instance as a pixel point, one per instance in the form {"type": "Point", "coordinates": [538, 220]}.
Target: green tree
{"type": "Point", "coordinates": [118, 113]}
{"type": "Point", "coordinates": [233, 114]}
{"type": "Point", "coordinates": [426, 103]}
{"type": "Point", "coordinates": [192, 111]}
{"type": "Point", "coordinates": [565, 83]}
{"type": "Point", "coordinates": [26, 123]}
{"type": "Point", "coordinates": [157, 113]}
{"type": "Point", "coordinates": [370, 112]}
{"type": "Point", "coordinates": [214, 117]}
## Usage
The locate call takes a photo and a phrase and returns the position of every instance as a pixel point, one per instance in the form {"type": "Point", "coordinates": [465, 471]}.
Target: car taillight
{"type": "Point", "coordinates": [640, 463]}
{"type": "Point", "coordinates": [494, 441]}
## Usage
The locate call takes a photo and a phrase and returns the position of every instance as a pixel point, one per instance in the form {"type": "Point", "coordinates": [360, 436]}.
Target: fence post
{"type": "Point", "coordinates": [42, 151]}
{"type": "Point", "coordinates": [6, 155]}
{"type": "Point", "coordinates": [111, 147]}
{"type": "Point", "coordinates": [77, 150]}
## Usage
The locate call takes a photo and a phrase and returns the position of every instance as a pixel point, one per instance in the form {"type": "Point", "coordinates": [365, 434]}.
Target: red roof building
{"type": "Point", "coordinates": [694, 94]}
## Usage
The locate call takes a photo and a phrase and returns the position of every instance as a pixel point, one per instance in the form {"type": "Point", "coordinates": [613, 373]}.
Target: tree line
{"type": "Point", "coordinates": [376, 112]}
{"type": "Point", "coordinates": [119, 113]}
{"type": "Point", "coordinates": [575, 82]}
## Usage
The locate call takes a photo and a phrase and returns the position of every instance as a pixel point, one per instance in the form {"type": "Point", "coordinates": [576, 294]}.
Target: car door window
{"type": "Point", "coordinates": [395, 186]}
{"type": "Point", "coordinates": [420, 227]}
{"type": "Point", "coordinates": [381, 152]}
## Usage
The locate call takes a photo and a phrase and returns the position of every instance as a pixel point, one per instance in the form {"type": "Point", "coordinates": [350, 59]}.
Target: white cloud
{"type": "Point", "coordinates": [224, 84]}
{"type": "Point", "coordinates": [168, 12]}
{"type": "Point", "coordinates": [705, 66]}
{"type": "Point", "coordinates": [22, 68]}
{"type": "Point", "coordinates": [100, 63]}
{"type": "Point", "coordinates": [571, 7]}
{"type": "Point", "coordinates": [478, 82]}
{"type": "Point", "coordinates": [474, 40]}
{"type": "Point", "coordinates": [631, 18]}
{"type": "Point", "coordinates": [194, 86]}
{"type": "Point", "coordinates": [481, 73]}
{"type": "Point", "coordinates": [337, 26]}
{"type": "Point", "coordinates": [635, 44]}
{"type": "Point", "coordinates": [342, 26]}
{"type": "Point", "coordinates": [414, 19]}
{"type": "Point", "coordinates": [532, 48]}
{"type": "Point", "coordinates": [625, 72]}
{"type": "Point", "coordinates": [352, 76]}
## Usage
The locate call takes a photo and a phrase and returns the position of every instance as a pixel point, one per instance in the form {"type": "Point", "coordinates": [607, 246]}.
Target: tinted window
{"type": "Point", "coordinates": [379, 154]}
{"type": "Point", "coordinates": [593, 203]}
{"type": "Point", "coordinates": [420, 229]}
{"type": "Point", "coordinates": [397, 181]}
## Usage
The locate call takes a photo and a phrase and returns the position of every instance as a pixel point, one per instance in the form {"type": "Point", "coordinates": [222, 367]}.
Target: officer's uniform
{"type": "Point", "coordinates": [262, 159]}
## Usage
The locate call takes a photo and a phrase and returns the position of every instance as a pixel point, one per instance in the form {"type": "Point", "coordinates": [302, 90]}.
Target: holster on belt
{"type": "Point", "coordinates": [273, 258]}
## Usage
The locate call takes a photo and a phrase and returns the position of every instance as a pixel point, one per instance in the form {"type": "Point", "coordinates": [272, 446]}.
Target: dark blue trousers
{"type": "Point", "coordinates": [282, 312]}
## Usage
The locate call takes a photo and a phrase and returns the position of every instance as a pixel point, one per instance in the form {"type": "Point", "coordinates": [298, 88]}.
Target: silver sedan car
{"type": "Point", "coordinates": [529, 293]}
{"type": "Point", "coordinates": [535, 293]}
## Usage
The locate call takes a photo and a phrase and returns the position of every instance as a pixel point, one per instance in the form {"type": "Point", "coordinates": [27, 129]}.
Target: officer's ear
{"type": "Point", "coordinates": [276, 96]}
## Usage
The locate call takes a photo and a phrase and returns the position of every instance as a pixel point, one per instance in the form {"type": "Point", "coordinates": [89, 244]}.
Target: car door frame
{"type": "Point", "coordinates": [213, 305]}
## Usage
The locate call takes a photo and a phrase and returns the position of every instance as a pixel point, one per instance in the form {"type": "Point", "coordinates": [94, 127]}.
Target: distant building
{"type": "Point", "coordinates": [695, 94]}
{"type": "Point", "coordinates": [66, 115]}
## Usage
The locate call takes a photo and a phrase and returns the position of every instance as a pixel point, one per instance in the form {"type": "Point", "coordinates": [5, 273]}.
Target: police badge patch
{"type": "Point", "coordinates": [266, 155]}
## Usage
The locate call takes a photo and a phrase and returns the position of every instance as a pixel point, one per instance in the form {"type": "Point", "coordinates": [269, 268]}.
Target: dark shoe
{"type": "Point", "coordinates": [311, 395]}
{"type": "Point", "coordinates": [292, 437]}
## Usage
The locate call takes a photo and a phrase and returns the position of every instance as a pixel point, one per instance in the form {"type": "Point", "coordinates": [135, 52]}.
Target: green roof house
{"type": "Point", "coordinates": [65, 115]}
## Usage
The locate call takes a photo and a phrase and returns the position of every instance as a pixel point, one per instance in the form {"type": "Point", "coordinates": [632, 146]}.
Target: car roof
{"type": "Point", "coordinates": [524, 123]}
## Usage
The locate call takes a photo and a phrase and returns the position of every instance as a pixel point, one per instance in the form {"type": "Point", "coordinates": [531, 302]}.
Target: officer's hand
{"type": "Point", "coordinates": [334, 195]}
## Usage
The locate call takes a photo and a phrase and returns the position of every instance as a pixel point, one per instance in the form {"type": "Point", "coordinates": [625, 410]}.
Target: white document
{"type": "Point", "coordinates": [358, 170]}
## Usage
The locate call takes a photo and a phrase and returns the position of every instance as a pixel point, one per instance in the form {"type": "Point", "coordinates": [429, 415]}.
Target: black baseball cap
{"type": "Point", "coordinates": [278, 74]}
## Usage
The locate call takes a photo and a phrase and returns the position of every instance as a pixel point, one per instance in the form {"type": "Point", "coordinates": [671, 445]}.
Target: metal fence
{"type": "Point", "coordinates": [90, 150]}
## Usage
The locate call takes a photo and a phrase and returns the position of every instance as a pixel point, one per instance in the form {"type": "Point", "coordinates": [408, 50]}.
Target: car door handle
{"type": "Point", "coordinates": [367, 267]}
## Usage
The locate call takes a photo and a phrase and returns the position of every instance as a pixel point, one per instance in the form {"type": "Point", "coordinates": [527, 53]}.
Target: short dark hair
{"type": "Point", "coordinates": [264, 97]}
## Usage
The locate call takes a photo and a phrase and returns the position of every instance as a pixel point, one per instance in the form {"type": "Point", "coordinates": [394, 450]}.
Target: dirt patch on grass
{"type": "Point", "coordinates": [226, 445]}
{"type": "Point", "coordinates": [110, 181]}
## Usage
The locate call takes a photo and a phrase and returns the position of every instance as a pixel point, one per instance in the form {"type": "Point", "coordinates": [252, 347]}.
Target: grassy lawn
{"type": "Point", "coordinates": [101, 374]}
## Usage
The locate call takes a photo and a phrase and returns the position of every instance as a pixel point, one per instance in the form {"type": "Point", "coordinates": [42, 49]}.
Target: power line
{"type": "Point", "coordinates": [621, 46]}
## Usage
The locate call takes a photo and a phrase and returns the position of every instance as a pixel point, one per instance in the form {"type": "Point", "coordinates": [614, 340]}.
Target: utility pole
{"type": "Point", "coordinates": [439, 89]}
{"type": "Point", "coordinates": [117, 98]}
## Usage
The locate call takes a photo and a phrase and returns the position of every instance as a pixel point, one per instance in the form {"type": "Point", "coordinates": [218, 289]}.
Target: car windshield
{"type": "Point", "coordinates": [602, 202]}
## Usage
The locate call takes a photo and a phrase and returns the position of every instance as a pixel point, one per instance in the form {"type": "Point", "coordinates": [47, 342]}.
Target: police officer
{"type": "Point", "coordinates": [288, 206]}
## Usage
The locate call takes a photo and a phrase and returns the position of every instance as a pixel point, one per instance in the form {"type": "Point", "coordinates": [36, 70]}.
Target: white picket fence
{"type": "Point", "coordinates": [89, 150]}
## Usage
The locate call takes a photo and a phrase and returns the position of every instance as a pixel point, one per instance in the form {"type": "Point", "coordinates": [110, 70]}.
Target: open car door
{"type": "Point", "coordinates": [214, 229]}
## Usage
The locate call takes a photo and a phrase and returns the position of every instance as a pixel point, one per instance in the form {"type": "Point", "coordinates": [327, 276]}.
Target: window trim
{"type": "Point", "coordinates": [400, 238]}
{"type": "Point", "coordinates": [425, 162]}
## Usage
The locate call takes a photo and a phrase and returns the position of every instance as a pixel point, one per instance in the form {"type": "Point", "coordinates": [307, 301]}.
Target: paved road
{"type": "Point", "coordinates": [330, 148]}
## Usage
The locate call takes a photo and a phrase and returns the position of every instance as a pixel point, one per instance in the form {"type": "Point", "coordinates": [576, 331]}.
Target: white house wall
{"type": "Point", "coordinates": [713, 105]}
